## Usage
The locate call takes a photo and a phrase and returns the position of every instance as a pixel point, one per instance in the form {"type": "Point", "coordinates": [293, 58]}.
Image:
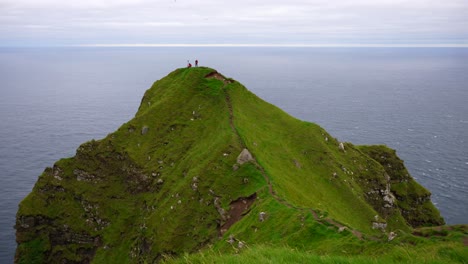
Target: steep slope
{"type": "Point", "coordinates": [172, 180]}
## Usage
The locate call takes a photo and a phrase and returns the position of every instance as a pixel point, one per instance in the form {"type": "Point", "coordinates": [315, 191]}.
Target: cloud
{"type": "Point", "coordinates": [210, 21]}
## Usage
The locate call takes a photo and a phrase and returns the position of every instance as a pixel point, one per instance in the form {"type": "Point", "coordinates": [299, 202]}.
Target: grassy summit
{"type": "Point", "coordinates": [173, 181]}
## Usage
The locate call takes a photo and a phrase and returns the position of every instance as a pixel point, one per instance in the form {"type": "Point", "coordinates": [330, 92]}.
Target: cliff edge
{"type": "Point", "coordinates": [206, 162]}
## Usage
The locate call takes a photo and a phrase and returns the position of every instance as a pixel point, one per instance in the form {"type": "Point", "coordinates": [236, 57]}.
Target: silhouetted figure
{"type": "Point", "coordinates": [196, 63]}
{"type": "Point", "coordinates": [189, 65]}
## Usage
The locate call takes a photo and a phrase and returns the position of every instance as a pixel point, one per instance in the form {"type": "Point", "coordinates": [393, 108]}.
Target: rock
{"type": "Point", "coordinates": [341, 229]}
{"type": "Point", "coordinates": [235, 167]}
{"type": "Point", "coordinates": [244, 157]}
{"type": "Point", "coordinates": [144, 130]}
{"type": "Point", "coordinates": [240, 244]}
{"type": "Point", "coordinates": [57, 173]}
{"type": "Point", "coordinates": [391, 236]}
{"type": "Point", "coordinates": [221, 211]}
{"type": "Point", "coordinates": [377, 225]}
{"type": "Point", "coordinates": [82, 175]}
{"type": "Point", "coordinates": [262, 216]}
{"type": "Point", "coordinates": [341, 146]}
{"type": "Point", "coordinates": [231, 239]}
{"type": "Point", "coordinates": [298, 165]}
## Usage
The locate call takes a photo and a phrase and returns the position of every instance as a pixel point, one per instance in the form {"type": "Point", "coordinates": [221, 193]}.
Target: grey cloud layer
{"type": "Point", "coordinates": [52, 22]}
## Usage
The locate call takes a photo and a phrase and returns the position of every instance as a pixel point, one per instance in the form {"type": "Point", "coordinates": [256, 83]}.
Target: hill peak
{"type": "Point", "coordinates": [205, 161]}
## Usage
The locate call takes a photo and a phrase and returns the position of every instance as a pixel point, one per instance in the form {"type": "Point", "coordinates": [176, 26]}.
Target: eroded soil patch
{"type": "Point", "coordinates": [238, 209]}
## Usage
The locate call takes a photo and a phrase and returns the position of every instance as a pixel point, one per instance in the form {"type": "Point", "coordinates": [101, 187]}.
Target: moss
{"type": "Point", "coordinates": [32, 252]}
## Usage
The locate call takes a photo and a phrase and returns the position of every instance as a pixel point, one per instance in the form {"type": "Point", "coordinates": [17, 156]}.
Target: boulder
{"type": "Point", "coordinates": [244, 157]}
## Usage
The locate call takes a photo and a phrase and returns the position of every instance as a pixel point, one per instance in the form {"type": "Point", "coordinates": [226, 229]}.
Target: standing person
{"type": "Point", "coordinates": [196, 63]}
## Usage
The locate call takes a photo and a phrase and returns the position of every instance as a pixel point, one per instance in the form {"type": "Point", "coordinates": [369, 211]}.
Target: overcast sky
{"type": "Point", "coordinates": [271, 22]}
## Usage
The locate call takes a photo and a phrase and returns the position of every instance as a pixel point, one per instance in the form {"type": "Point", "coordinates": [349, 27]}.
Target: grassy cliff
{"type": "Point", "coordinates": [207, 165]}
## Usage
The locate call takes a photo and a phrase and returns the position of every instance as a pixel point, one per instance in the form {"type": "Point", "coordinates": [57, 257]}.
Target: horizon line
{"type": "Point", "coordinates": [131, 45]}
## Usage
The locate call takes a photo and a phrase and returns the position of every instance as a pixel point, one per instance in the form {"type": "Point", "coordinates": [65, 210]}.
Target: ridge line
{"type": "Point", "coordinates": [279, 199]}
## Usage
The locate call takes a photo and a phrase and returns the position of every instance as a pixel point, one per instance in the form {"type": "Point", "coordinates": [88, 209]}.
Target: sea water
{"type": "Point", "coordinates": [414, 100]}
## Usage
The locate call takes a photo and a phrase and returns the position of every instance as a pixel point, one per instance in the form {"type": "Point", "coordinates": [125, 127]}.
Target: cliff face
{"type": "Point", "coordinates": [412, 199]}
{"type": "Point", "coordinates": [205, 161]}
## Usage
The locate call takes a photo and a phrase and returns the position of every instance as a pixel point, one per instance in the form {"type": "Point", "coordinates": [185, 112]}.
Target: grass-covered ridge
{"type": "Point", "coordinates": [169, 182]}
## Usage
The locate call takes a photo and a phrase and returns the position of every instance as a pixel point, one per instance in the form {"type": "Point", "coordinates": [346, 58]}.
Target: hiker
{"type": "Point", "coordinates": [196, 63]}
{"type": "Point", "coordinates": [189, 64]}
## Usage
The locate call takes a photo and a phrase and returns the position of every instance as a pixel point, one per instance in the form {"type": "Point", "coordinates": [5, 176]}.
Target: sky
{"type": "Point", "coordinates": [235, 22]}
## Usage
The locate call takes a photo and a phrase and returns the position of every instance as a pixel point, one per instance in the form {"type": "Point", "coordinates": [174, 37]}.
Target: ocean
{"type": "Point", "coordinates": [414, 100]}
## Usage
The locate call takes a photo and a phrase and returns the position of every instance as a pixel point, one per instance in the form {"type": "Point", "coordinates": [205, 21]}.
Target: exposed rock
{"type": "Point", "coordinates": [82, 175]}
{"type": "Point", "coordinates": [221, 211]}
{"type": "Point", "coordinates": [261, 216]}
{"type": "Point", "coordinates": [240, 244]}
{"type": "Point", "coordinates": [387, 195]}
{"type": "Point", "coordinates": [341, 146]}
{"type": "Point", "coordinates": [391, 236]}
{"type": "Point", "coordinates": [231, 239]}
{"type": "Point", "coordinates": [298, 165]}
{"type": "Point", "coordinates": [144, 130]}
{"type": "Point", "coordinates": [57, 172]}
{"type": "Point", "coordinates": [401, 190]}
{"type": "Point", "coordinates": [235, 167]}
{"type": "Point", "coordinates": [378, 225]}
{"type": "Point", "coordinates": [194, 186]}
{"type": "Point", "coordinates": [244, 157]}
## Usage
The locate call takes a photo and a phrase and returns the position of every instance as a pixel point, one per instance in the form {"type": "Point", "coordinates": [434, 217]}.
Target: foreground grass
{"type": "Point", "coordinates": [274, 254]}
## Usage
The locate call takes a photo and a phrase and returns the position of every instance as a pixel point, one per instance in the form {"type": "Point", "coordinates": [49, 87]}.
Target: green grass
{"type": "Point", "coordinates": [277, 140]}
{"type": "Point", "coordinates": [274, 254]}
{"type": "Point", "coordinates": [143, 196]}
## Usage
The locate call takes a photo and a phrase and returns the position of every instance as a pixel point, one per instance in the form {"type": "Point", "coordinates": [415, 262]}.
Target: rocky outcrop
{"type": "Point", "coordinates": [244, 157]}
{"type": "Point", "coordinates": [40, 232]}
{"type": "Point", "coordinates": [402, 191]}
